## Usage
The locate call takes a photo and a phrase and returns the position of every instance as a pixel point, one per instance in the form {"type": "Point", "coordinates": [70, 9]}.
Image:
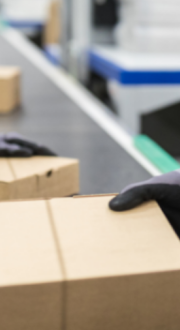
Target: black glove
{"type": "Point", "coordinates": [165, 189]}
{"type": "Point", "coordinates": [14, 145]}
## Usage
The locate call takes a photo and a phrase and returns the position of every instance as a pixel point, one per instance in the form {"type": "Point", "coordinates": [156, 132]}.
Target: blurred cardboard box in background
{"type": "Point", "coordinates": [52, 26]}
{"type": "Point", "coordinates": [9, 88]}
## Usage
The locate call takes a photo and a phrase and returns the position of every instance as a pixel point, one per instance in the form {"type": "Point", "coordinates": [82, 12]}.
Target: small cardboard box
{"type": "Point", "coordinates": [9, 88]}
{"type": "Point", "coordinates": [52, 26]}
{"type": "Point", "coordinates": [72, 263]}
{"type": "Point", "coordinates": [38, 177]}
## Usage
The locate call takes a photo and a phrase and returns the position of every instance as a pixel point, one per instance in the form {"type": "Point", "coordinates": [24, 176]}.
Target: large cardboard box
{"type": "Point", "coordinates": [52, 26]}
{"type": "Point", "coordinates": [38, 177]}
{"type": "Point", "coordinates": [72, 263]}
{"type": "Point", "coordinates": [9, 88]}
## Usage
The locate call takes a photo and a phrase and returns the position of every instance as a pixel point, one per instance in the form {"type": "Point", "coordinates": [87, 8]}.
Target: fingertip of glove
{"type": "Point", "coordinates": [126, 201]}
{"type": "Point", "coordinates": [116, 204]}
{"type": "Point", "coordinates": [43, 151]}
{"type": "Point", "coordinates": [51, 153]}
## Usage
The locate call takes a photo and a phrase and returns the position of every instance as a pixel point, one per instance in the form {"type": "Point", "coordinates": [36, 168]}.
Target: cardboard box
{"type": "Point", "coordinates": [9, 88]}
{"type": "Point", "coordinates": [71, 263]}
{"type": "Point", "coordinates": [38, 177]}
{"type": "Point", "coordinates": [52, 26]}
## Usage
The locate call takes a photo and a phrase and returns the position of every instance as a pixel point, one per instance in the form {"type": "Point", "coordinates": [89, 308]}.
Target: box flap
{"type": "Point", "coordinates": [7, 72]}
{"type": "Point", "coordinates": [97, 242]}
{"type": "Point", "coordinates": [24, 167]}
{"type": "Point", "coordinates": [6, 174]}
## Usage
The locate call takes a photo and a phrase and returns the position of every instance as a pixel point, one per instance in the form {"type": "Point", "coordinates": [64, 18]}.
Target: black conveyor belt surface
{"type": "Point", "coordinates": [48, 116]}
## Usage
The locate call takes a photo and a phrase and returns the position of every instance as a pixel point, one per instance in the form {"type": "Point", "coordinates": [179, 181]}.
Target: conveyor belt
{"type": "Point", "coordinates": [48, 116]}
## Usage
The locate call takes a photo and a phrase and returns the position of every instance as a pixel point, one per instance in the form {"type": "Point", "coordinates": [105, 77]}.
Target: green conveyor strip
{"type": "Point", "coordinates": [157, 155]}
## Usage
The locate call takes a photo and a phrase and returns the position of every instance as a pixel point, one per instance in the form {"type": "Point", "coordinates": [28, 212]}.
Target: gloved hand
{"type": "Point", "coordinates": [165, 189]}
{"type": "Point", "coordinates": [14, 145]}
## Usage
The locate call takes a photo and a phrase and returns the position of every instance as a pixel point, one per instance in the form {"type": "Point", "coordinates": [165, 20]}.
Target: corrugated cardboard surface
{"type": "Point", "coordinates": [122, 269]}
{"type": "Point", "coordinates": [9, 88]}
{"type": "Point", "coordinates": [100, 269]}
{"type": "Point", "coordinates": [138, 238]}
{"type": "Point", "coordinates": [38, 177]}
{"type": "Point", "coordinates": [30, 276]}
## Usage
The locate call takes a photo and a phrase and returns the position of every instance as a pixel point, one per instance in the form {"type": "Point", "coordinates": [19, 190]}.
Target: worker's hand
{"type": "Point", "coordinates": [165, 189]}
{"type": "Point", "coordinates": [14, 145]}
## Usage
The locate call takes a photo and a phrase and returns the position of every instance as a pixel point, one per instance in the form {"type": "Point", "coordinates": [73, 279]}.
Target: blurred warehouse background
{"type": "Point", "coordinates": [126, 52]}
